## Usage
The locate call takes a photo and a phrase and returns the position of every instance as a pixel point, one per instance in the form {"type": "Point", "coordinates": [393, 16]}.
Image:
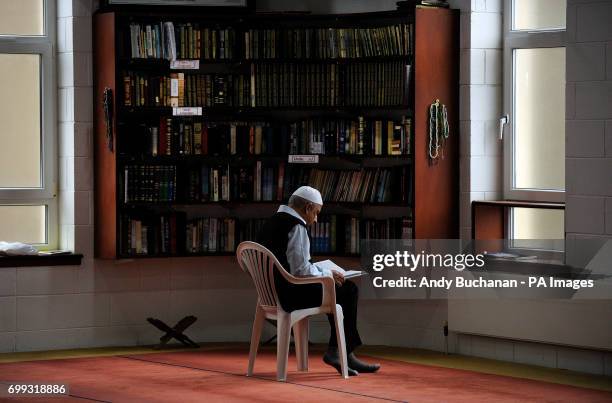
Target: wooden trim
{"type": "Point", "coordinates": [30, 261]}
{"type": "Point", "coordinates": [488, 221]}
{"type": "Point", "coordinates": [105, 175]}
{"type": "Point", "coordinates": [489, 216]}
{"type": "Point", "coordinates": [436, 76]}
{"type": "Point", "coordinates": [518, 203]}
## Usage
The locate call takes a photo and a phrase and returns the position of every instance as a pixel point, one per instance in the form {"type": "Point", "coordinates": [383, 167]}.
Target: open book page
{"type": "Point", "coordinates": [328, 264]}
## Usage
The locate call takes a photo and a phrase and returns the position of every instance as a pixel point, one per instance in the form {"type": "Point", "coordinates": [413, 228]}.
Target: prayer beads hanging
{"type": "Point", "coordinates": [438, 130]}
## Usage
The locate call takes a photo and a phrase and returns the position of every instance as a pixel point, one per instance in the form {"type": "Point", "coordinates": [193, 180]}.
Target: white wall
{"type": "Point", "coordinates": [480, 106]}
{"type": "Point", "coordinates": [589, 120]}
{"type": "Point", "coordinates": [589, 185]}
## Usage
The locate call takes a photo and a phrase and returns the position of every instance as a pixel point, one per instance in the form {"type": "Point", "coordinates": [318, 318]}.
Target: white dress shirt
{"type": "Point", "coordinates": [298, 250]}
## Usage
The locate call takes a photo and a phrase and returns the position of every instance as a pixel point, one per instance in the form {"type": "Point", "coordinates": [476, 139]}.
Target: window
{"type": "Point", "coordinates": [534, 101]}
{"type": "Point", "coordinates": [28, 172]}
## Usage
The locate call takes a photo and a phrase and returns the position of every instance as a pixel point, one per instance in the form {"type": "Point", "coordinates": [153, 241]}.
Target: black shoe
{"type": "Point", "coordinates": [331, 358]}
{"type": "Point", "coordinates": [361, 366]}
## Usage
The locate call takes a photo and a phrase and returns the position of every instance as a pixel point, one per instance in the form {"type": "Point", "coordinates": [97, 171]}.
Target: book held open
{"type": "Point", "coordinates": [328, 264]}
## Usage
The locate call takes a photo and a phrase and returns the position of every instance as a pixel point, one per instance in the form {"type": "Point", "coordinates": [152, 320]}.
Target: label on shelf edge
{"type": "Point", "coordinates": [304, 159]}
{"type": "Point", "coordinates": [187, 111]}
{"type": "Point", "coordinates": [185, 64]}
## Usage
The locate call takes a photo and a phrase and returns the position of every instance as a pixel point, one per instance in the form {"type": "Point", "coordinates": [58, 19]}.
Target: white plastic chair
{"type": "Point", "coordinates": [260, 264]}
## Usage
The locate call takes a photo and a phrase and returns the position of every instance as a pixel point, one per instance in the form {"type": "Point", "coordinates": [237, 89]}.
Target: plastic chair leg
{"type": "Point", "coordinates": [283, 328]}
{"type": "Point", "coordinates": [339, 320]}
{"type": "Point", "coordinates": [300, 335]}
{"type": "Point", "coordinates": [255, 335]}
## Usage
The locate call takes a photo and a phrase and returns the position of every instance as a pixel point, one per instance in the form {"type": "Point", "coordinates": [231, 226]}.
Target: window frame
{"type": "Point", "coordinates": [512, 40]}
{"type": "Point", "coordinates": [43, 45]}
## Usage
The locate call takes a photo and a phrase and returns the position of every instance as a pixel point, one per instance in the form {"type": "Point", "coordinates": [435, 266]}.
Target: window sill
{"type": "Point", "coordinates": [72, 259]}
{"type": "Point", "coordinates": [538, 267]}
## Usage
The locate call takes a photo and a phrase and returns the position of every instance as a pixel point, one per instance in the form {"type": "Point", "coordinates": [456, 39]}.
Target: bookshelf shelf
{"type": "Point", "coordinates": [243, 112]}
{"type": "Point", "coordinates": [168, 255]}
{"type": "Point", "coordinates": [238, 204]}
{"type": "Point", "coordinates": [164, 64]}
{"type": "Point", "coordinates": [332, 98]}
{"type": "Point", "coordinates": [226, 254]}
{"type": "Point", "coordinates": [346, 161]}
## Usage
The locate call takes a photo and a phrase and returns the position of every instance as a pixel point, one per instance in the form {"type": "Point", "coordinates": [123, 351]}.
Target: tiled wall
{"type": "Point", "coordinates": [544, 355]}
{"type": "Point", "coordinates": [588, 182]}
{"type": "Point", "coordinates": [481, 106]}
{"type": "Point", "coordinates": [75, 124]}
{"type": "Point", "coordinates": [589, 120]}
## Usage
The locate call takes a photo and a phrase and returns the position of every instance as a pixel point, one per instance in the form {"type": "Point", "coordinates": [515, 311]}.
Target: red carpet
{"type": "Point", "coordinates": [219, 376]}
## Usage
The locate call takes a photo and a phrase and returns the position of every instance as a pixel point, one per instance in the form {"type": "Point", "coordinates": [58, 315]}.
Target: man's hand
{"type": "Point", "coordinates": [338, 277]}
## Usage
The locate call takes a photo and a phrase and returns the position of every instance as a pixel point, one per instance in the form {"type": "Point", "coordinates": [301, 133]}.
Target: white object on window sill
{"type": "Point", "coordinates": [16, 249]}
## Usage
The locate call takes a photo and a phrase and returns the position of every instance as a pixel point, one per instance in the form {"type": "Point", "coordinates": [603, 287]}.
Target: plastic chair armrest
{"type": "Point", "coordinates": [328, 284]}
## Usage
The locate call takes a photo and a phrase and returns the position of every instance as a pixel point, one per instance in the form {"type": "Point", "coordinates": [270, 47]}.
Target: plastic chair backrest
{"type": "Point", "coordinates": [259, 262]}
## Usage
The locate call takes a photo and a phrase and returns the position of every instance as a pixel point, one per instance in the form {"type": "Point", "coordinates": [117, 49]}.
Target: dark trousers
{"type": "Point", "coordinates": [347, 296]}
{"type": "Point", "coordinates": [303, 296]}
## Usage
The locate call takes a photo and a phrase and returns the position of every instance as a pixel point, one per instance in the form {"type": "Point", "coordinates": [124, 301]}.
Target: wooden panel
{"type": "Point", "coordinates": [488, 222]}
{"type": "Point", "coordinates": [69, 259]}
{"type": "Point", "coordinates": [488, 227]}
{"type": "Point", "coordinates": [436, 185]}
{"type": "Point", "coordinates": [105, 167]}
{"type": "Point", "coordinates": [523, 204]}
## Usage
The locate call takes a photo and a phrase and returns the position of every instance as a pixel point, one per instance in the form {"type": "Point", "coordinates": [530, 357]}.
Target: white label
{"type": "Point", "coordinates": [185, 64]}
{"type": "Point", "coordinates": [187, 111]}
{"type": "Point", "coordinates": [303, 159]}
{"type": "Point", "coordinates": [174, 87]}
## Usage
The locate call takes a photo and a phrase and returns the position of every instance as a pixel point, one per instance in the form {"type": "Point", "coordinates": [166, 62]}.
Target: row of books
{"type": "Point", "coordinates": [172, 233]}
{"type": "Point", "coordinates": [153, 235]}
{"type": "Point", "coordinates": [276, 183]}
{"type": "Point", "coordinates": [325, 232]}
{"type": "Point", "coordinates": [204, 183]}
{"type": "Point", "coordinates": [189, 136]}
{"type": "Point", "coordinates": [376, 84]}
{"type": "Point", "coordinates": [165, 40]}
{"type": "Point", "coordinates": [180, 89]}
{"type": "Point", "coordinates": [312, 84]}
{"type": "Point", "coordinates": [185, 41]}
{"type": "Point", "coordinates": [213, 184]}
{"type": "Point", "coordinates": [328, 43]}
{"type": "Point", "coordinates": [177, 136]}
{"type": "Point", "coordinates": [360, 137]}
{"type": "Point", "coordinates": [363, 186]}
{"type": "Point", "coordinates": [275, 85]}
{"type": "Point", "coordinates": [222, 183]}
{"type": "Point", "coordinates": [210, 235]}
{"type": "Point", "coordinates": [149, 183]}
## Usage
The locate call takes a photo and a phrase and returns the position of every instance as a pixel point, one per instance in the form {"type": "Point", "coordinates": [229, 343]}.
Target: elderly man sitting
{"type": "Point", "coordinates": [286, 235]}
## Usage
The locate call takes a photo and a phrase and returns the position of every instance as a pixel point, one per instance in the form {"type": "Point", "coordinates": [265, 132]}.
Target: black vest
{"type": "Point", "coordinates": [275, 237]}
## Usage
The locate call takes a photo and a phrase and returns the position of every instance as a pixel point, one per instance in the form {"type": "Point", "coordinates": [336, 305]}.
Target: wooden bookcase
{"type": "Point", "coordinates": [429, 203]}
